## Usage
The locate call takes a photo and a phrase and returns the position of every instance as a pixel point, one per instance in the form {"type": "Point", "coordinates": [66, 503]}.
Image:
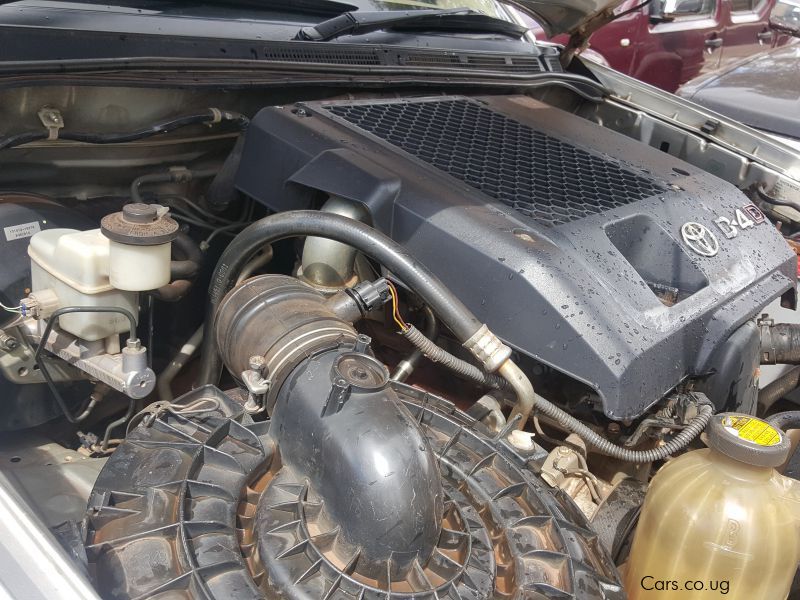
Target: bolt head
{"type": "Point", "coordinates": [256, 363]}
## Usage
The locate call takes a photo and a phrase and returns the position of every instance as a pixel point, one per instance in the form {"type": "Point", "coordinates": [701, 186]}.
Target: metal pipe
{"type": "Point", "coordinates": [37, 356]}
{"type": "Point", "coordinates": [459, 366]}
{"type": "Point", "coordinates": [327, 263]}
{"type": "Point", "coordinates": [164, 384]}
{"type": "Point", "coordinates": [259, 261]}
{"type": "Point", "coordinates": [114, 424]}
{"type": "Point", "coordinates": [98, 394]}
{"type": "Point", "coordinates": [523, 389]}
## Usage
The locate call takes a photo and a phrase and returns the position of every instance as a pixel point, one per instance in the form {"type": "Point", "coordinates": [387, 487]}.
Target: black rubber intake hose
{"type": "Point", "coordinates": [779, 388]}
{"type": "Point", "coordinates": [453, 313]}
{"type": "Point", "coordinates": [172, 291]}
{"type": "Point", "coordinates": [192, 256]}
{"type": "Point", "coordinates": [782, 345]}
{"type": "Point", "coordinates": [222, 191]}
{"type": "Point", "coordinates": [180, 175]}
{"type": "Point", "coordinates": [785, 420]}
{"type": "Point", "coordinates": [181, 272]}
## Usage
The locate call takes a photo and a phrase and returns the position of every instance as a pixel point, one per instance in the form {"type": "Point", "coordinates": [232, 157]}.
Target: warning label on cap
{"type": "Point", "coordinates": [753, 430]}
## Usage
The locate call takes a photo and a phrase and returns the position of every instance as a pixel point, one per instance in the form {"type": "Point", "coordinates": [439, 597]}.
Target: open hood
{"type": "Point", "coordinates": [579, 18]}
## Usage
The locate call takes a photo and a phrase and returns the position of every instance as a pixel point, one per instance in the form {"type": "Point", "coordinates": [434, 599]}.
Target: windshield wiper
{"type": "Point", "coordinates": [454, 19]}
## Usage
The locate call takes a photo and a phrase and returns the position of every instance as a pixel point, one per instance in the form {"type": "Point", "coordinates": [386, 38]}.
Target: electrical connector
{"type": "Point", "coordinates": [40, 304]}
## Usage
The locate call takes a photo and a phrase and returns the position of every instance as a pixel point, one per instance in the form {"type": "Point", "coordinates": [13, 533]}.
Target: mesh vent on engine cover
{"type": "Point", "coordinates": [538, 175]}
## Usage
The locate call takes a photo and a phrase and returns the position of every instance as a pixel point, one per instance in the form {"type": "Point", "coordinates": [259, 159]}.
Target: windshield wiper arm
{"type": "Point", "coordinates": [453, 19]}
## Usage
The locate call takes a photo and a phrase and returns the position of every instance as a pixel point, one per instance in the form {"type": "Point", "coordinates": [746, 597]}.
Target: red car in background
{"type": "Point", "coordinates": [668, 42]}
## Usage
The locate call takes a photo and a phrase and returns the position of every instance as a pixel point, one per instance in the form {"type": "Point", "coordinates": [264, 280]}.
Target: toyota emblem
{"type": "Point", "coordinates": [700, 238]}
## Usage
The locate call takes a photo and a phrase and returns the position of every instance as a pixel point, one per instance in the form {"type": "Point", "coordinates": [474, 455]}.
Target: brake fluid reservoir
{"type": "Point", "coordinates": [70, 268]}
{"type": "Point", "coordinates": [720, 521]}
{"type": "Point", "coordinates": [141, 241]}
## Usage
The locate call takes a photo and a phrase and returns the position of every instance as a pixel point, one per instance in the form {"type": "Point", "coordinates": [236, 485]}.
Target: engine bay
{"type": "Point", "coordinates": [306, 344]}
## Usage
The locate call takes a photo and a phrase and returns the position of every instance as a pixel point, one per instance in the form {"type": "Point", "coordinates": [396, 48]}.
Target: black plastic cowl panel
{"type": "Point", "coordinates": [563, 236]}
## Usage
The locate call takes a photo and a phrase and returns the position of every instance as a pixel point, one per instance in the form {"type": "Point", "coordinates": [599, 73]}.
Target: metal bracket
{"type": "Point", "coordinates": [257, 385]}
{"type": "Point", "coordinates": [126, 374]}
{"type": "Point", "coordinates": [51, 118]}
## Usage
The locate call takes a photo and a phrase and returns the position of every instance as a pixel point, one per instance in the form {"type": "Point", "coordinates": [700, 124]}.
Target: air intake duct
{"type": "Point", "coordinates": [356, 487]}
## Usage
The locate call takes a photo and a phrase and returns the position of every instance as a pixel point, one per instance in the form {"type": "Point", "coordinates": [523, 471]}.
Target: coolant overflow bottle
{"type": "Point", "coordinates": [720, 522]}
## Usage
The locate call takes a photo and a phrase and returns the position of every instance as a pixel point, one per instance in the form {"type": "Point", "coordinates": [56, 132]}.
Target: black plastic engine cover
{"type": "Point", "coordinates": [565, 237]}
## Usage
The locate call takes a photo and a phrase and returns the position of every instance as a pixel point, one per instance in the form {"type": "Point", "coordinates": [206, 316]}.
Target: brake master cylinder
{"type": "Point", "coordinates": [721, 519]}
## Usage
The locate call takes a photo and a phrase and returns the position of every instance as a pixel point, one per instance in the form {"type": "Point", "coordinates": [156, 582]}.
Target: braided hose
{"type": "Point", "coordinates": [592, 438]}
{"type": "Point", "coordinates": [604, 446]}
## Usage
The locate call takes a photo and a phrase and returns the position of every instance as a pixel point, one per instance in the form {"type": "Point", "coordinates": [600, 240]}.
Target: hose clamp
{"type": "Point", "coordinates": [488, 348]}
{"type": "Point", "coordinates": [768, 350]}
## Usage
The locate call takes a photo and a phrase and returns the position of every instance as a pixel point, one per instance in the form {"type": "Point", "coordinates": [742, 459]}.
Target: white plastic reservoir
{"type": "Point", "coordinates": [75, 266]}
{"type": "Point", "coordinates": [139, 268]}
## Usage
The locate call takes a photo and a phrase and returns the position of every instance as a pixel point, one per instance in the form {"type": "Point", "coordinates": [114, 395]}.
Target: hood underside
{"type": "Point", "coordinates": [569, 16]}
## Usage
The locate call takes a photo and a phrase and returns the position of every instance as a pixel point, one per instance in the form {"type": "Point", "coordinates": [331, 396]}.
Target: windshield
{"type": "Point", "coordinates": [487, 7]}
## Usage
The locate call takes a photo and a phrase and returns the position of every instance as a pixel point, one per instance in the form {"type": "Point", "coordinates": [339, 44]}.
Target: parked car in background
{"type": "Point", "coordinates": [786, 16]}
{"type": "Point", "coordinates": [762, 92]}
{"type": "Point", "coordinates": [668, 42]}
